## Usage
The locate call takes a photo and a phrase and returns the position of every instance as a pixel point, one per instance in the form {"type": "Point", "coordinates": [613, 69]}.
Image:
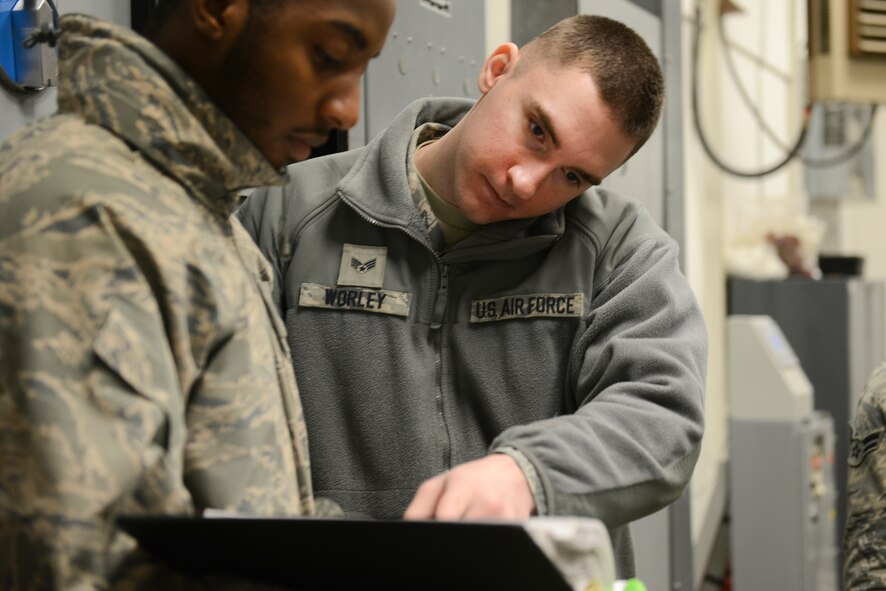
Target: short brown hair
{"type": "Point", "coordinates": [626, 72]}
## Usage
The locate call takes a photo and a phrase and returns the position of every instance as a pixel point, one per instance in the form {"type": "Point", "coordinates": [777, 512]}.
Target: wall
{"type": "Point", "coordinates": [498, 23]}
{"type": "Point", "coordinates": [769, 39]}
{"type": "Point", "coordinates": [857, 224]}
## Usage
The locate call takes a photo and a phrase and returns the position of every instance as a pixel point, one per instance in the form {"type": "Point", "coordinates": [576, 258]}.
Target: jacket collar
{"type": "Point", "coordinates": [118, 80]}
{"type": "Point", "coordinates": [377, 187]}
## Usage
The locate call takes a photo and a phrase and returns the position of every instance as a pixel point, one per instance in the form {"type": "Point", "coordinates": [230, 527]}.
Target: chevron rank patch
{"type": "Point", "coordinates": [362, 266]}
{"type": "Point", "coordinates": [860, 447]}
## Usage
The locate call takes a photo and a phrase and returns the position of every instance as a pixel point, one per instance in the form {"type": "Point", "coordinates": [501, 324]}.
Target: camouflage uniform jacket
{"type": "Point", "coordinates": [865, 543]}
{"type": "Point", "coordinates": [144, 367]}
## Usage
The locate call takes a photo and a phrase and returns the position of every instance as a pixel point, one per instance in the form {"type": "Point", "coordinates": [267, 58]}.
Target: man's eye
{"type": "Point", "coordinates": [573, 178]}
{"type": "Point", "coordinates": [325, 59]}
{"type": "Point", "coordinates": [535, 130]}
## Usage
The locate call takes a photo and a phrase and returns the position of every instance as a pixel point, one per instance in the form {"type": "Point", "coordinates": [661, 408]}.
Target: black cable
{"type": "Point", "coordinates": [848, 154]}
{"type": "Point", "coordinates": [696, 117]}
{"type": "Point", "coordinates": [727, 45]}
{"type": "Point", "coordinates": [14, 87]}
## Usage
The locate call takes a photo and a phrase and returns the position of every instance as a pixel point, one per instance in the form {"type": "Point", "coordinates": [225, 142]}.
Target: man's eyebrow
{"type": "Point", "coordinates": [588, 177]}
{"type": "Point", "coordinates": [552, 133]}
{"type": "Point", "coordinates": [546, 123]}
{"type": "Point", "coordinates": [356, 35]}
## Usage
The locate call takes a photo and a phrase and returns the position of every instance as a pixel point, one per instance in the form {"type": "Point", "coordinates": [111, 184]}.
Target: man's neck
{"type": "Point", "coordinates": [435, 162]}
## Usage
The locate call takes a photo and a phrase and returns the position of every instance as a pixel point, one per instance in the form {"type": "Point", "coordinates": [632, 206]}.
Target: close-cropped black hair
{"type": "Point", "coordinates": [164, 9]}
{"type": "Point", "coordinates": [159, 16]}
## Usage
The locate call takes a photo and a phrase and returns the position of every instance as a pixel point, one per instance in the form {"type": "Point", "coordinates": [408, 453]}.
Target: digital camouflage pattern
{"type": "Point", "coordinates": [144, 369]}
{"type": "Point", "coordinates": [865, 542]}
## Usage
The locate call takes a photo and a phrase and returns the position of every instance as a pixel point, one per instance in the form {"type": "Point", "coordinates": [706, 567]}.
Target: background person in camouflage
{"type": "Point", "coordinates": [865, 540]}
{"type": "Point", "coordinates": [144, 369]}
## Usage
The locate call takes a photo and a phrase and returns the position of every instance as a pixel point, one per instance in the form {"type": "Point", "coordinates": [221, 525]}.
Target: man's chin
{"type": "Point", "coordinates": [277, 157]}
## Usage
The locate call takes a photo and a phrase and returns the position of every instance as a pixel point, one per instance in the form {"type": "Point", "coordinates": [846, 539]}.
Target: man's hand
{"type": "Point", "coordinates": [493, 487]}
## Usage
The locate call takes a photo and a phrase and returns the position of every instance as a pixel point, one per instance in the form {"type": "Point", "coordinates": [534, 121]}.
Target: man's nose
{"type": "Point", "coordinates": [526, 179]}
{"type": "Point", "coordinates": [342, 108]}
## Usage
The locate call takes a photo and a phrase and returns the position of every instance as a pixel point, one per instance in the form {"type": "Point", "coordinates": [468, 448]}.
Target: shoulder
{"type": "Point", "coordinates": [616, 227]}
{"type": "Point", "coordinates": [61, 160]}
{"type": "Point", "coordinates": [872, 405]}
{"type": "Point", "coordinates": [83, 184]}
{"type": "Point", "coordinates": [603, 214]}
{"type": "Point", "coordinates": [62, 141]}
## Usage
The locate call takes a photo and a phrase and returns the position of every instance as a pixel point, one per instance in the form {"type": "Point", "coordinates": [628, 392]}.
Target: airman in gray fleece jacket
{"type": "Point", "coordinates": [470, 319]}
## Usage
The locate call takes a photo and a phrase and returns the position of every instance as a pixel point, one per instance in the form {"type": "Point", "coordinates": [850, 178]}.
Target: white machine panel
{"type": "Point", "coordinates": [766, 381]}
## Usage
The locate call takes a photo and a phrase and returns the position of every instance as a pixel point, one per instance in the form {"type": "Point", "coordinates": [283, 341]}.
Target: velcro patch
{"type": "Point", "coordinates": [534, 305]}
{"type": "Point", "coordinates": [362, 266]}
{"type": "Point", "coordinates": [859, 448]}
{"type": "Point", "coordinates": [380, 301]}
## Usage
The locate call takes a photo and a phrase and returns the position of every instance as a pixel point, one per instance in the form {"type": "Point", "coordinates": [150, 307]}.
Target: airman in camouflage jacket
{"type": "Point", "coordinates": [143, 368]}
{"type": "Point", "coordinates": [865, 542]}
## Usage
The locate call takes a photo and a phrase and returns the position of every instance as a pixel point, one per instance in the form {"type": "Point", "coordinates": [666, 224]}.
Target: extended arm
{"type": "Point", "coordinates": [637, 373]}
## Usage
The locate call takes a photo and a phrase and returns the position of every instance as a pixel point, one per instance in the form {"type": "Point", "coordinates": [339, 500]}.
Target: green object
{"type": "Point", "coordinates": [635, 585]}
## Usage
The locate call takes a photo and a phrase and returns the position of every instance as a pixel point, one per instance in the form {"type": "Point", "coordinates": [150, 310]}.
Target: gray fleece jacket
{"type": "Point", "coordinates": [572, 338]}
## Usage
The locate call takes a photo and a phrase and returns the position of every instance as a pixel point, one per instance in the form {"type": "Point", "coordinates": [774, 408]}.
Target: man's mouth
{"type": "Point", "coordinates": [299, 145]}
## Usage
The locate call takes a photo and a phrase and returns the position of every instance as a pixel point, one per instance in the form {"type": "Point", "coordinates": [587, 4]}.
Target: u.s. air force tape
{"type": "Point", "coordinates": [534, 305]}
{"type": "Point", "coordinates": [380, 301]}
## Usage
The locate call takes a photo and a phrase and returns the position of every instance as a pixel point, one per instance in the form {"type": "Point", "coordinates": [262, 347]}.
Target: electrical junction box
{"type": "Point", "coordinates": [37, 66]}
{"type": "Point", "coordinates": [30, 67]}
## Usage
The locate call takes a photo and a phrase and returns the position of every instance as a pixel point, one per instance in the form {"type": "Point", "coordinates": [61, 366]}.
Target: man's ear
{"type": "Point", "coordinates": [219, 21]}
{"type": "Point", "coordinates": [500, 62]}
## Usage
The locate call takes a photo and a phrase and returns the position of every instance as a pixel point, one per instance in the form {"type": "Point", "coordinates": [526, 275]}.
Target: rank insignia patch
{"type": "Point", "coordinates": [362, 266]}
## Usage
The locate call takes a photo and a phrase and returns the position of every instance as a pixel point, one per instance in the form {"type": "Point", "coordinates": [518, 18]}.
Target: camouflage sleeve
{"type": "Point", "coordinates": [87, 389]}
{"type": "Point", "coordinates": [865, 539]}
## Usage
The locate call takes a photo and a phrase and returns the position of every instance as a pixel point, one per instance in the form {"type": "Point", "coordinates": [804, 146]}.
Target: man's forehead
{"type": "Point", "coordinates": [364, 22]}
{"type": "Point", "coordinates": [354, 10]}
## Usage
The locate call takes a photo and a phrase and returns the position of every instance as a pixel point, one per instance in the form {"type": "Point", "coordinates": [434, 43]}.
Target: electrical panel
{"type": "Point", "coordinates": [834, 129]}
{"type": "Point", "coordinates": [847, 51]}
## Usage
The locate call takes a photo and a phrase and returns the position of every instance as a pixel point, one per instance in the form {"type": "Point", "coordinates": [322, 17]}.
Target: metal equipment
{"type": "Point", "coordinates": [782, 504]}
{"type": "Point", "coordinates": [28, 61]}
{"type": "Point", "coordinates": [836, 328]}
